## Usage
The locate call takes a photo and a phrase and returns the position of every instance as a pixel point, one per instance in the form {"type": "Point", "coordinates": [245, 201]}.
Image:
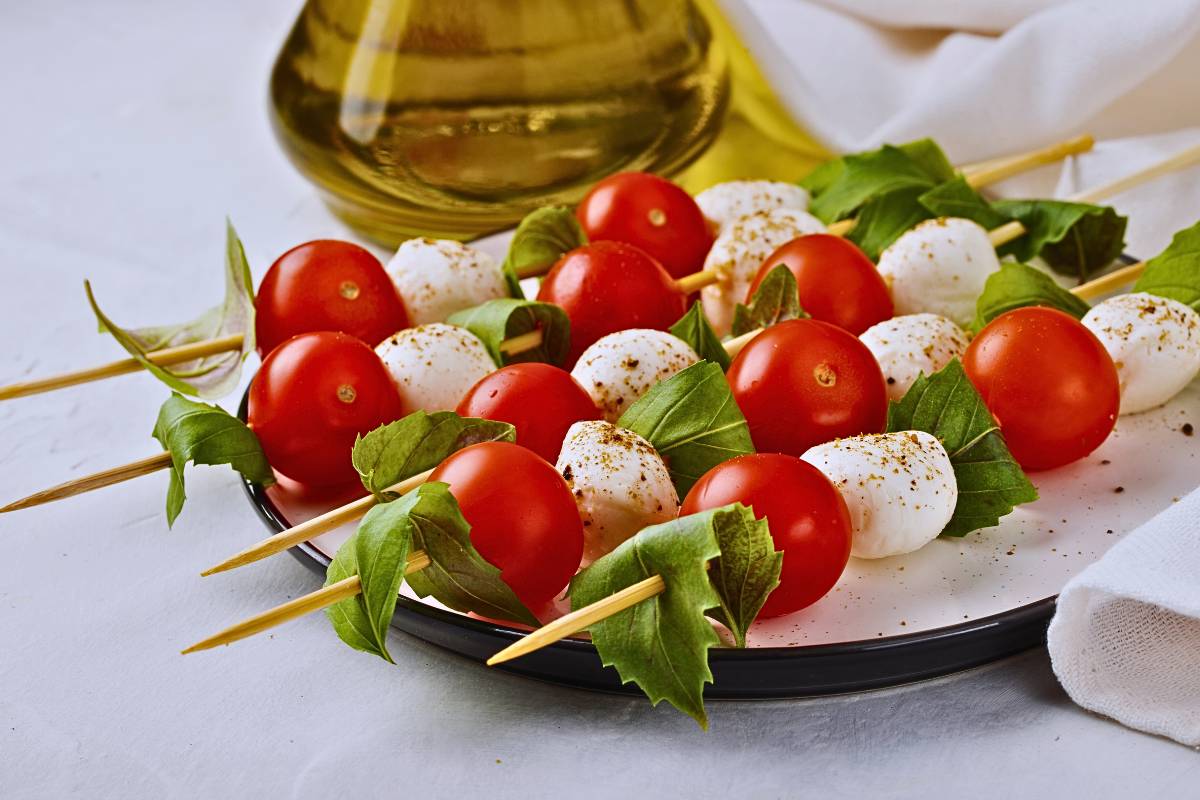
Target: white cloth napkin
{"type": "Point", "coordinates": [1125, 641]}
{"type": "Point", "coordinates": [991, 77]}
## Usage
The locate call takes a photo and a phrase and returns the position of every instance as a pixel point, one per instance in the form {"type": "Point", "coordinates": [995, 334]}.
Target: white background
{"type": "Point", "coordinates": [130, 129]}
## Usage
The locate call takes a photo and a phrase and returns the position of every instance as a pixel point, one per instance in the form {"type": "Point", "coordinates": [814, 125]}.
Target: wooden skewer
{"type": "Point", "coordinates": [165, 358]}
{"type": "Point", "coordinates": [998, 169]}
{"type": "Point", "coordinates": [585, 617]}
{"type": "Point", "coordinates": [696, 281]}
{"type": "Point", "coordinates": [1110, 282]}
{"type": "Point", "coordinates": [96, 480]}
{"type": "Point", "coordinates": [315, 601]}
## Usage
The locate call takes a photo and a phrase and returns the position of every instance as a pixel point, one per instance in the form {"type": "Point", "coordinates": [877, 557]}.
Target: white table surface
{"type": "Point", "coordinates": [130, 130]}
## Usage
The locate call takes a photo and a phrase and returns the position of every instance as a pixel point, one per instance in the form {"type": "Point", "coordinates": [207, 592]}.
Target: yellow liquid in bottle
{"type": "Point", "coordinates": [454, 118]}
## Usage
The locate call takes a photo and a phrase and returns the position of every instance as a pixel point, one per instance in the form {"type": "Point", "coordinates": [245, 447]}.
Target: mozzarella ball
{"type": "Point", "coordinates": [1155, 343]}
{"type": "Point", "coordinates": [620, 483]}
{"type": "Point", "coordinates": [725, 202]}
{"type": "Point", "coordinates": [940, 267]}
{"type": "Point", "coordinates": [434, 365]}
{"type": "Point", "coordinates": [437, 277]}
{"type": "Point", "coordinates": [740, 250]}
{"type": "Point", "coordinates": [623, 366]}
{"type": "Point", "coordinates": [908, 346]}
{"type": "Point", "coordinates": [899, 487]}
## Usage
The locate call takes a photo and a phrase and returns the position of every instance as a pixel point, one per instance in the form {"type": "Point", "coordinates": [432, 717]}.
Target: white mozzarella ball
{"type": "Point", "coordinates": [740, 250]}
{"type": "Point", "coordinates": [434, 365]}
{"type": "Point", "coordinates": [623, 366]}
{"type": "Point", "coordinates": [1155, 343]}
{"type": "Point", "coordinates": [620, 483]}
{"type": "Point", "coordinates": [437, 277]}
{"type": "Point", "coordinates": [725, 202]}
{"type": "Point", "coordinates": [899, 487]}
{"type": "Point", "coordinates": [910, 345]}
{"type": "Point", "coordinates": [940, 267]}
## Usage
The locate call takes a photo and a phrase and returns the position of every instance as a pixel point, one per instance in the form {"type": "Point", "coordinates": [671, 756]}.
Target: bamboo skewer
{"type": "Point", "coordinates": [696, 281]}
{"type": "Point", "coordinates": [314, 601]}
{"type": "Point", "coordinates": [164, 358]}
{"type": "Point", "coordinates": [1110, 282]}
{"type": "Point", "coordinates": [96, 480]}
{"type": "Point", "coordinates": [313, 528]}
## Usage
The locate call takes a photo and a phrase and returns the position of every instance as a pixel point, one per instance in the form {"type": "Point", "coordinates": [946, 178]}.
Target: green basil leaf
{"type": "Point", "coordinates": [497, 320]}
{"type": "Point", "coordinates": [457, 575]}
{"type": "Point", "coordinates": [693, 328]}
{"type": "Point", "coordinates": [1075, 239]}
{"type": "Point", "coordinates": [540, 240]}
{"type": "Point", "coordinates": [1018, 285]}
{"type": "Point", "coordinates": [204, 434]}
{"type": "Point", "coordinates": [378, 554]}
{"type": "Point", "coordinates": [1175, 272]}
{"type": "Point", "coordinates": [747, 571]}
{"type": "Point", "coordinates": [956, 198]}
{"type": "Point", "coordinates": [878, 172]}
{"type": "Point", "coordinates": [990, 482]}
{"type": "Point", "coordinates": [661, 644]}
{"type": "Point", "coordinates": [692, 421]}
{"type": "Point", "coordinates": [777, 299]}
{"type": "Point", "coordinates": [422, 440]}
{"type": "Point", "coordinates": [213, 376]}
{"type": "Point", "coordinates": [823, 176]}
{"type": "Point", "coordinates": [884, 218]}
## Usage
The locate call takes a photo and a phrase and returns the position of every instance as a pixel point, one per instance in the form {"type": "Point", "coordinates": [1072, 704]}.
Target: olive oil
{"type": "Point", "coordinates": [453, 118]}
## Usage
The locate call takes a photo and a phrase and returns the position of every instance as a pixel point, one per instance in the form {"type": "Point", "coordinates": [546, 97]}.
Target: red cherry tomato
{"type": "Point", "coordinates": [652, 214]}
{"type": "Point", "coordinates": [522, 515]}
{"type": "Point", "coordinates": [541, 400]}
{"type": "Point", "coordinates": [1049, 382]}
{"type": "Point", "coordinates": [311, 397]}
{"type": "Point", "coordinates": [607, 287]}
{"type": "Point", "coordinates": [327, 285]}
{"type": "Point", "coordinates": [804, 382]}
{"type": "Point", "coordinates": [807, 516]}
{"type": "Point", "coordinates": [838, 284]}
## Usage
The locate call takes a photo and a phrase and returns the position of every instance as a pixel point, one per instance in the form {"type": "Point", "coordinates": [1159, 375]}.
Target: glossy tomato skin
{"type": "Point", "coordinates": [540, 400]}
{"type": "Point", "coordinates": [838, 284]}
{"type": "Point", "coordinates": [804, 382]}
{"type": "Point", "coordinates": [522, 515]}
{"type": "Point", "coordinates": [607, 287]}
{"type": "Point", "coordinates": [807, 516]}
{"type": "Point", "coordinates": [326, 285]}
{"type": "Point", "coordinates": [650, 213]}
{"type": "Point", "coordinates": [1049, 383]}
{"type": "Point", "coordinates": [312, 396]}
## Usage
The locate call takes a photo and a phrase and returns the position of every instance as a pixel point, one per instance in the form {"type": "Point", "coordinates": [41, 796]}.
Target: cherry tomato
{"type": "Point", "coordinates": [311, 397]}
{"type": "Point", "coordinates": [541, 400]}
{"type": "Point", "coordinates": [804, 382]}
{"type": "Point", "coordinates": [327, 285]}
{"type": "Point", "coordinates": [522, 515]}
{"type": "Point", "coordinates": [837, 282]}
{"type": "Point", "coordinates": [607, 287]}
{"type": "Point", "coordinates": [807, 516]}
{"type": "Point", "coordinates": [1048, 381]}
{"type": "Point", "coordinates": [650, 213]}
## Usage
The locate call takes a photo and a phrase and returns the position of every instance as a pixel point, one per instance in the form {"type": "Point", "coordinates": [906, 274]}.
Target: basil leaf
{"type": "Point", "coordinates": [378, 554]}
{"type": "Point", "coordinates": [409, 446]}
{"type": "Point", "coordinates": [990, 482]}
{"type": "Point", "coordinates": [888, 169]}
{"type": "Point", "coordinates": [698, 334]}
{"type": "Point", "coordinates": [823, 176]}
{"type": "Point", "coordinates": [777, 299]}
{"type": "Point", "coordinates": [1075, 239]}
{"type": "Point", "coordinates": [747, 571]}
{"type": "Point", "coordinates": [1175, 272]}
{"type": "Point", "coordinates": [692, 421]}
{"type": "Point", "coordinates": [956, 198]}
{"type": "Point", "coordinates": [497, 320]}
{"type": "Point", "coordinates": [213, 376]}
{"type": "Point", "coordinates": [457, 575]}
{"type": "Point", "coordinates": [883, 219]}
{"type": "Point", "coordinates": [1018, 285]}
{"type": "Point", "coordinates": [541, 239]}
{"type": "Point", "coordinates": [204, 434]}
{"type": "Point", "coordinates": [662, 643]}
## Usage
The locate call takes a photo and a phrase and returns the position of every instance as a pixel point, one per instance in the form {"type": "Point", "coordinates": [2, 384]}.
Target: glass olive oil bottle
{"type": "Point", "coordinates": [453, 118]}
